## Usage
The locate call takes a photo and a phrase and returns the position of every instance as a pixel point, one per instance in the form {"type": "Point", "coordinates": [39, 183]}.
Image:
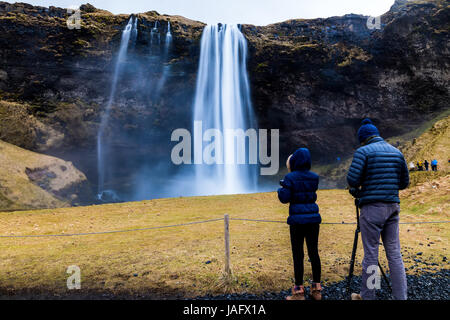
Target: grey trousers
{"type": "Point", "coordinates": [381, 219]}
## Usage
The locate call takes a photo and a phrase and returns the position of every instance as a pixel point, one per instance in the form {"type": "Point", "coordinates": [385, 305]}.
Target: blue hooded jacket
{"type": "Point", "coordinates": [299, 189]}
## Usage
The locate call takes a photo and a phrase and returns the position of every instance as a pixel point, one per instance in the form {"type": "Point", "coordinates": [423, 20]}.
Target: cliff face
{"type": "Point", "coordinates": [57, 81]}
{"type": "Point", "coordinates": [316, 79]}
{"type": "Point", "coordinates": [313, 79]}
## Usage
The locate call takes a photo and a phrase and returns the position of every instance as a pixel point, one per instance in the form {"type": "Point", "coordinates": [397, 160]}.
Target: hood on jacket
{"type": "Point", "coordinates": [300, 160]}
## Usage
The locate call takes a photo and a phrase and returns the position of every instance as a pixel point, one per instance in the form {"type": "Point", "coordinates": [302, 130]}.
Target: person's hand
{"type": "Point", "coordinates": [354, 192]}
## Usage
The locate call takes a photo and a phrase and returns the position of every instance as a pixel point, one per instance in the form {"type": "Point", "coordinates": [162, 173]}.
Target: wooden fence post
{"type": "Point", "coordinates": [227, 244]}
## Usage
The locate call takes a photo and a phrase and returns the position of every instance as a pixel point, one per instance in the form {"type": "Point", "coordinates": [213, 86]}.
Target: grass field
{"type": "Point", "coordinates": [189, 260]}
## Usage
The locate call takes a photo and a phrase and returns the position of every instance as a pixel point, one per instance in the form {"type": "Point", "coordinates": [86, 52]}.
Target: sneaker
{"type": "Point", "coordinates": [315, 291]}
{"type": "Point", "coordinates": [356, 296]}
{"type": "Point", "coordinates": [298, 293]}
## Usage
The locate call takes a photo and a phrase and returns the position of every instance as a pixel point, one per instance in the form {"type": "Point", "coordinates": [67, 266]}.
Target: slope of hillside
{"type": "Point", "coordinates": [433, 144]}
{"type": "Point", "coordinates": [430, 198]}
{"type": "Point", "coordinates": [429, 141]}
{"type": "Point", "coordinates": [31, 180]}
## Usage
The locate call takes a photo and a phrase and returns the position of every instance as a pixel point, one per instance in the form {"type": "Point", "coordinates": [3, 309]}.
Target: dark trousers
{"type": "Point", "coordinates": [310, 233]}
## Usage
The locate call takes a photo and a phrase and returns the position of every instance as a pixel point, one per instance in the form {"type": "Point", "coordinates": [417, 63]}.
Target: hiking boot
{"type": "Point", "coordinates": [315, 291]}
{"type": "Point", "coordinates": [356, 296]}
{"type": "Point", "coordinates": [298, 293]}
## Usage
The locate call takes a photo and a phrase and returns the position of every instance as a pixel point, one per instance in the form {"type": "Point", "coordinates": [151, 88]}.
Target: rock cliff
{"type": "Point", "coordinates": [313, 79]}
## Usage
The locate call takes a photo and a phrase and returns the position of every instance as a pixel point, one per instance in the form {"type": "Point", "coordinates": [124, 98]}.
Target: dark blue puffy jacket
{"type": "Point", "coordinates": [380, 170]}
{"type": "Point", "coordinates": [299, 189]}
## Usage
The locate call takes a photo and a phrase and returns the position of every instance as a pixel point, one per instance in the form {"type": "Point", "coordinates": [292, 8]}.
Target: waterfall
{"type": "Point", "coordinates": [154, 36]}
{"type": "Point", "coordinates": [166, 67]}
{"type": "Point", "coordinates": [130, 28]}
{"type": "Point", "coordinates": [168, 37]}
{"type": "Point", "coordinates": [134, 32]}
{"type": "Point", "coordinates": [222, 101]}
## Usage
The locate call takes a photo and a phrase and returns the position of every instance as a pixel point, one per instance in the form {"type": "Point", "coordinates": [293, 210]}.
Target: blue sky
{"type": "Point", "coordinates": [258, 12]}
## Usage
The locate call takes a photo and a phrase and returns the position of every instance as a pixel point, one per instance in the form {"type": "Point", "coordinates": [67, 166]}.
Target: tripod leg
{"type": "Point", "coordinates": [385, 278]}
{"type": "Point", "coordinates": [352, 261]}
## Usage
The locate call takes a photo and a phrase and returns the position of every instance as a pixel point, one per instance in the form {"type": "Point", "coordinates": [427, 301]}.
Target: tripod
{"type": "Point", "coordinates": [355, 245]}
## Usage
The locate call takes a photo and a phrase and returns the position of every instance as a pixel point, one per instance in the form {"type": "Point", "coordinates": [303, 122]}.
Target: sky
{"type": "Point", "coordinates": [257, 12]}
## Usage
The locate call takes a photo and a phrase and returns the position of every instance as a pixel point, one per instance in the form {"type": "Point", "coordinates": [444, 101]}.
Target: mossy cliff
{"type": "Point", "coordinates": [316, 79]}
{"type": "Point", "coordinates": [313, 79]}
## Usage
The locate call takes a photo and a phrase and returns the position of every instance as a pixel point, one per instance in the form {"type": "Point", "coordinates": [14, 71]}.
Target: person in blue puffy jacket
{"type": "Point", "coordinates": [377, 173]}
{"type": "Point", "coordinates": [299, 190]}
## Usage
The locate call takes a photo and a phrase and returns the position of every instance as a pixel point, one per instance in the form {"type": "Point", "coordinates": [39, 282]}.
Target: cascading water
{"type": "Point", "coordinates": [168, 38]}
{"type": "Point", "coordinates": [222, 101]}
{"type": "Point", "coordinates": [155, 37]}
{"type": "Point", "coordinates": [134, 32]}
{"type": "Point", "coordinates": [130, 28]}
{"type": "Point", "coordinates": [165, 68]}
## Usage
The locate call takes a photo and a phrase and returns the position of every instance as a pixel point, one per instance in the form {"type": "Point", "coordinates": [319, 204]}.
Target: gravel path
{"type": "Point", "coordinates": [428, 286]}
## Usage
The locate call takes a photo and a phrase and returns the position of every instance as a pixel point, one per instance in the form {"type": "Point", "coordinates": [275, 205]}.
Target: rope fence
{"type": "Point", "coordinates": [109, 232]}
{"type": "Point", "coordinates": [226, 218]}
{"type": "Point", "coordinates": [188, 224]}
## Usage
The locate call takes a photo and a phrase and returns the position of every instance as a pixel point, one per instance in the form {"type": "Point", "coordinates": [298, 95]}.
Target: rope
{"type": "Point", "coordinates": [107, 232]}
{"type": "Point", "coordinates": [258, 220]}
{"type": "Point", "coordinates": [188, 224]}
{"type": "Point", "coordinates": [340, 223]}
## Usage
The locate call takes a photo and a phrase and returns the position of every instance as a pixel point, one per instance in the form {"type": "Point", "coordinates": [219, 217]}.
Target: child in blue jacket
{"type": "Point", "coordinates": [299, 190]}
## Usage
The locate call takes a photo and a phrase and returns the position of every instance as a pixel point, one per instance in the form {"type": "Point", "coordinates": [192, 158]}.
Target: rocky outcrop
{"type": "Point", "coordinates": [29, 180]}
{"type": "Point", "coordinates": [313, 79]}
{"type": "Point", "coordinates": [59, 80]}
{"type": "Point", "coordinates": [316, 79]}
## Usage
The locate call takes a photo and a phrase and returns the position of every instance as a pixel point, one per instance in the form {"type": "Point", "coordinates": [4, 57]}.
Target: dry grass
{"type": "Point", "coordinates": [174, 259]}
{"type": "Point", "coordinates": [432, 144]}
{"type": "Point", "coordinates": [16, 189]}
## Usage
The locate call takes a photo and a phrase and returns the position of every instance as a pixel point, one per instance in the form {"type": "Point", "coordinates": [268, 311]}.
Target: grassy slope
{"type": "Point", "coordinates": [429, 141]}
{"type": "Point", "coordinates": [16, 189]}
{"type": "Point", "coordinates": [434, 143]}
{"type": "Point", "coordinates": [173, 260]}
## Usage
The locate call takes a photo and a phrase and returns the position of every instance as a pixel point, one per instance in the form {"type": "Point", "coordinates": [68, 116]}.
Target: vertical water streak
{"type": "Point", "coordinates": [168, 35]}
{"type": "Point", "coordinates": [165, 67]}
{"type": "Point", "coordinates": [222, 101]}
{"type": "Point", "coordinates": [155, 37]}
{"type": "Point", "coordinates": [134, 32]}
{"type": "Point", "coordinates": [105, 118]}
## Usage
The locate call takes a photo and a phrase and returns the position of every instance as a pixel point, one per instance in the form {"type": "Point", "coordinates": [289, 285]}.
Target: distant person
{"type": "Point", "coordinates": [411, 166]}
{"type": "Point", "coordinates": [377, 173]}
{"type": "Point", "coordinates": [434, 165]}
{"type": "Point", "coordinates": [426, 165]}
{"type": "Point", "coordinates": [420, 165]}
{"type": "Point", "coordinates": [299, 190]}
